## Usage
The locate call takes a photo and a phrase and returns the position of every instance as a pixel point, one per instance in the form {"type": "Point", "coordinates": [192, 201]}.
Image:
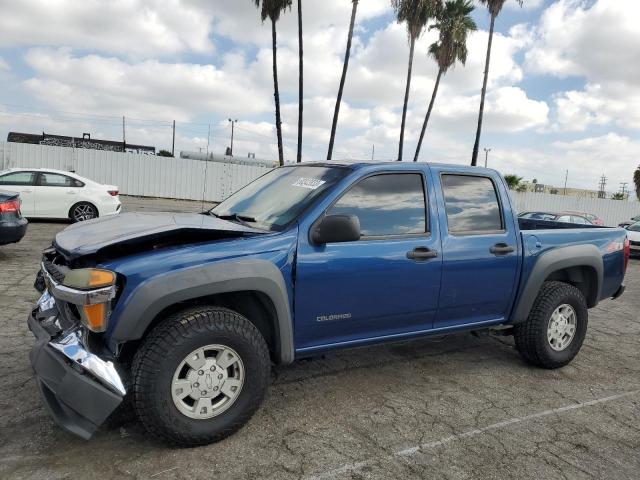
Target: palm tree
{"type": "Point", "coordinates": [345, 65]}
{"type": "Point", "coordinates": [300, 82]}
{"type": "Point", "coordinates": [513, 181]}
{"type": "Point", "coordinates": [636, 181]}
{"type": "Point", "coordinates": [494, 6]}
{"type": "Point", "coordinates": [416, 13]}
{"type": "Point", "coordinates": [454, 24]}
{"type": "Point", "coordinates": [272, 9]}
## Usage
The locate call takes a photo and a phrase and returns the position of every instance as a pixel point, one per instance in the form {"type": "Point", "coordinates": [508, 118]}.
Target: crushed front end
{"type": "Point", "coordinates": [80, 382]}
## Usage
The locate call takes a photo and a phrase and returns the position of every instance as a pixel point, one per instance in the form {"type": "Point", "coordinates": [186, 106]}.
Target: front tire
{"type": "Point", "coordinates": [554, 332]}
{"type": "Point", "coordinates": [199, 376]}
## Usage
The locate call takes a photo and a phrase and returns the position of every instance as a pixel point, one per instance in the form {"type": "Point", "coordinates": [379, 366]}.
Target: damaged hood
{"type": "Point", "coordinates": [145, 231]}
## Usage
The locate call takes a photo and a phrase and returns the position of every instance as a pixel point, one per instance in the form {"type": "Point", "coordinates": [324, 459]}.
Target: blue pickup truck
{"type": "Point", "coordinates": [180, 316]}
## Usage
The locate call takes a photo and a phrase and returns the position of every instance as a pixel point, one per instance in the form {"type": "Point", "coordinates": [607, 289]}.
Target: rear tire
{"type": "Point", "coordinates": [554, 332]}
{"type": "Point", "coordinates": [181, 352]}
{"type": "Point", "coordinates": [83, 211]}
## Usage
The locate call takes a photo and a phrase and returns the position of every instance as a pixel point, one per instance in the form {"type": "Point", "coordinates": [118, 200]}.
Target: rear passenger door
{"type": "Point", "coordinates": [55, 194]}
{"type": "Point", "coordinates": [480, 248]}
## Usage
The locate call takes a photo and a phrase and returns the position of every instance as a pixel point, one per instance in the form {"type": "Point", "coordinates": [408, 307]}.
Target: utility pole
{"type": "Point", "coordinates": [233, 122]}
{"type": "Point", "coordinates": [206, 166]}
{"type": "Point", "coordinates": [486, 156]}
{"type": "Point", "coordinates": [173, 143]}
{"type": "Point", "coordinates": [124, 140]}
{"type": "Point", "coordinates": [373, 151]}
{"type": "Point", "coordinates": [623, 189]}
{"type": "Point", "coordinates": [566, 176]}
{"type": "Point", "coordinates": [602, 186]}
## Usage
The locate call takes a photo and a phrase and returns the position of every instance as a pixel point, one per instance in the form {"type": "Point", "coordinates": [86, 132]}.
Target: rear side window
{"type": "Point", "coordinates": [386, 204]}
{"type": "Point", "coordinates": [57, 180]}
{"type": "Point", "coordinates": [471, 204]}
{"type": "Point", "coordinates": [18, 178]}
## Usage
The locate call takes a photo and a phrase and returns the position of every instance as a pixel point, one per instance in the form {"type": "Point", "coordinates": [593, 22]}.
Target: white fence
{"type": "Point", "coordinates": [611, 211]}
{"type": "Point", "coordinates": [155, 176]}
{"type": "Point", "coordinates": [137, 174]}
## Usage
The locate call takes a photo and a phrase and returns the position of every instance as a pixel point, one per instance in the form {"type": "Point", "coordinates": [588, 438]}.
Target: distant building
{"type": "Point", "coordinates": [572, 192]}
{"type": "Point", "coordinates": [85, 141]}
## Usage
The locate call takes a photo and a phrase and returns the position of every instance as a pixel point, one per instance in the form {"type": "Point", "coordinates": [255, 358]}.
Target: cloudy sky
{"type": "Point", "coordinates": [564, 84]}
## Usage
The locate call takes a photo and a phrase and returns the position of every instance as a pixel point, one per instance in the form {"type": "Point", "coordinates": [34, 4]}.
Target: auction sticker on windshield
{"type": "Point", "coordinates": [310, 183]}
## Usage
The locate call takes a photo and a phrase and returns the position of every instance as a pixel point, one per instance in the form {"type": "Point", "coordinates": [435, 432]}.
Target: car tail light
{"type": "Point", "coordinates": [627, 253]}
{"type": "Point", "coordinates": [113, 193]}
{"type": "Point", "coordinates": [10, 206]}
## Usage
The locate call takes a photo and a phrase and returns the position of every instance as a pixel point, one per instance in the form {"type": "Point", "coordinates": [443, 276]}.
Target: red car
{"type": "Point", "coordinates": [594, 219]}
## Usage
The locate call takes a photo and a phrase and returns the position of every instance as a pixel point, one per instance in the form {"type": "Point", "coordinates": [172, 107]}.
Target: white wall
{"type": "Point", "coordinates": [138, 174]}
{"type": "Point", "coordinates": [154, 176]}
{"type": "Point", "coordinates": [611, 211]}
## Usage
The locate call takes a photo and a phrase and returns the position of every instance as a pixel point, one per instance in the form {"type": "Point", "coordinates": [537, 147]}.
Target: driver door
{"type": "Point", "coordinates": [375, 287]}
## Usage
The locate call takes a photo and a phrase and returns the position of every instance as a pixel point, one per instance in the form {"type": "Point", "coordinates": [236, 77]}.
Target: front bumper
{"type": "Point", "coordinates": [79, 389]}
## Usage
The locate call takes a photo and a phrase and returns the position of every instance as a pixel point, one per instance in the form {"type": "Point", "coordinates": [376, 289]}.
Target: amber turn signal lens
{"type": "Point", "coordinates": [95, 316]}
{"type": "Point", "coordinates": [89, 278]}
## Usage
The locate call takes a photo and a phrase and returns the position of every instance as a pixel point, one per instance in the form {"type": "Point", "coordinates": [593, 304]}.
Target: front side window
{"type": "Point", "coordinates": [471, 204]}
{"type": "Point", "coordinates": [56, 180]}
{"type": "Point", "coordinates": [386, 204]}
{"type": "Point", "coordinates": [279, 197]}
{"type": "Point", "coordinates": [17, 178]}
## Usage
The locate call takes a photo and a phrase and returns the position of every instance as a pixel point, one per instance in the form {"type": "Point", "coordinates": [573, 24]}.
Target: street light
{"type": "Point", "coordinates": [486, 156]}
{"type": "Point", "coordinates": [233, 122]}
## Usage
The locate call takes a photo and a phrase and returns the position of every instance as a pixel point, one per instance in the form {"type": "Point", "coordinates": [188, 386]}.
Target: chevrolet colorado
{"type": "Point", "coordinates": [182, 315]}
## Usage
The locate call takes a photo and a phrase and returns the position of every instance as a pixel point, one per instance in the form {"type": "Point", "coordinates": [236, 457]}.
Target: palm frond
{"type": "Point", "coordinates": [495, 6]}
{"type": "Point", "coordinates": [454, 23]}
{"type": "Point", "coordinates": [272, 8]}
{"type": "Point", "coordinates": [416, 14]}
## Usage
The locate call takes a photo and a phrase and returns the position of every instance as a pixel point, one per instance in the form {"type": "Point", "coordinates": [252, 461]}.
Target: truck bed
{"type": "Point", "coordinates": [534, 224]}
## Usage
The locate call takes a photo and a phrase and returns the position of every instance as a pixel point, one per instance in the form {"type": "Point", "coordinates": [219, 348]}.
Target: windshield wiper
{"type": "Point", "coordinates": [243, 219]}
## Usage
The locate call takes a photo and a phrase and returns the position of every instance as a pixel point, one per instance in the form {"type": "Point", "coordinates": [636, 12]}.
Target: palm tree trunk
{"type": "Point", "coordinates": [276, 93]}
{"type": "Point", "coordinates": [406, 97]}
{"type": "Point", "coordinates": [300, 82]}
{"type": "Point", "coordinates": [426, 118]}
{"type": "Point", "coordinates": [345, 65]}
{"type": "Point", "coordinates": [476, 146]}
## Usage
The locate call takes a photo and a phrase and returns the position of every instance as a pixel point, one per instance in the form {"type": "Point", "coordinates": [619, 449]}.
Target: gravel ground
{"type": "Point", "coordinates": [461, 407]}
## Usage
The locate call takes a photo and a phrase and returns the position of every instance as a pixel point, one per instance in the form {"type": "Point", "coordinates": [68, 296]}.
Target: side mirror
{"type": "Point", "coordinates": [335, 228]}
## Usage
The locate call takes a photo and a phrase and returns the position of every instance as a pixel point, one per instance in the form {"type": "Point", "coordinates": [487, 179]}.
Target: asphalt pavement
{"type": "Point", "coordinates": [459, 407]}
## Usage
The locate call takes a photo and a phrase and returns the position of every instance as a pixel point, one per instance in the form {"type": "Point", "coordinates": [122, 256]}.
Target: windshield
{"type": "Point", "coordinates": [634, 227]}
{"type": "Point", "coordinates": [277, 198]}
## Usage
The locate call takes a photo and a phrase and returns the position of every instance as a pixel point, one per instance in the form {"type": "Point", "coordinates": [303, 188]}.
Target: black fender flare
{"type": "Point", "coordinates": [553, 261]}
{"type": "Point", "coordinates": [162, 291]}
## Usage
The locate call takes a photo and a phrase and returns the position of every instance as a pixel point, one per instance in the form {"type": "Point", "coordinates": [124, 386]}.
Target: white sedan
{"type": "Point", "coordinates": [633, 233]}
{"type": "Point", "coordinates": [47, 193]}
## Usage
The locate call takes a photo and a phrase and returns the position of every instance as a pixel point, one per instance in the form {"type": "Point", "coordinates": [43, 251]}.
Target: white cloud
{"type": "Point", "coordinates": [596, 41]}
{"type": "Point", "coordinates": [128, 27]}
{"type": "Point", "coordinates": [152, 89]}
{"type": "Point", "coordinates": [526, 5]}
{"type": "Point", "coordinates": [4, 66]}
